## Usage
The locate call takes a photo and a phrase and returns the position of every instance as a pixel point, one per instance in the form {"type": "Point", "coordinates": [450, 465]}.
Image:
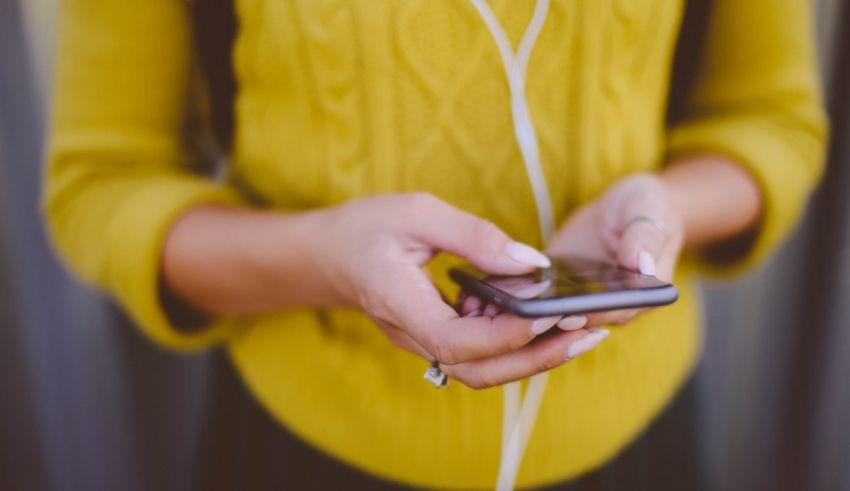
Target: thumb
{"type": "Point", "coordinates": [641, 244]}
{"type": "Point", "coordinates": [478, 241]}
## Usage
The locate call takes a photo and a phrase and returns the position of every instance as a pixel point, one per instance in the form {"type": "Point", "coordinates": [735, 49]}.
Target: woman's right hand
{"type": "Point", "coordinates": [371, 254]}
{"type": "Point", "coordinates": [368, 254]}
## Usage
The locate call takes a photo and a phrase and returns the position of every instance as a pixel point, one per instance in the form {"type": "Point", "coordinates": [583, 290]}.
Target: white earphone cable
{"type": "Point", "coordinates": [515, 69]}
{"type": "Point", "coordinates": [518, 419]}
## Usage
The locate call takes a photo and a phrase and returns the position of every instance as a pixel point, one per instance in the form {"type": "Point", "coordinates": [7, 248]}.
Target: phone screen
{"type": "Point", "coordinates": [572, 285]}
{"type": "Point", "coordinates": [571, 276]}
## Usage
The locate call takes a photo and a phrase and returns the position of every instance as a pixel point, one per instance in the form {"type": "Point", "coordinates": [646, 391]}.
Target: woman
{"type": "Point", "coordinates": [372, 136]}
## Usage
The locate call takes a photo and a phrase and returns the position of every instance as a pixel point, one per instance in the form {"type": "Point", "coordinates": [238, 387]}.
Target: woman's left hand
{"type": "Point", "coordinates": [635, 224]}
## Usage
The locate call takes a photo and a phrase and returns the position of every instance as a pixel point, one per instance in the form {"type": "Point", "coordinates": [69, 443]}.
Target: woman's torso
{"type": "Point", "coordinates": [340, 99]}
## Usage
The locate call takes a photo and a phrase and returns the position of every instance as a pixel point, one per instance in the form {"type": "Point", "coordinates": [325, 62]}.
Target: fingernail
{"type": "Point", "coordinates": [533, 290]}
{"type": "Point", "coordinates": [586, 342]}
{"type": "Point", "coordinates": [646, 264]}
{"type": "Point", "coordinates": [604, 332]}
{"type": "Point", "coordinates": [491, 310]}
{"type": "Point", "coordinates": [543, 324]}
{"type": "Point", "coordinates": [473, 313]}
{"type": "Point", "coordinates": [526, 254]}
{"type": "Point", "coordinates": [572, 322]}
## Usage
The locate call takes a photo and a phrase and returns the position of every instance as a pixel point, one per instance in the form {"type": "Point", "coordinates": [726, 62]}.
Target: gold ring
{"type": "Point", "coordinates": [646, 218]}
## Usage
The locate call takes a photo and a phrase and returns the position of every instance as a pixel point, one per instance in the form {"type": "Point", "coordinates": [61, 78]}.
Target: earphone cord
{"type": "Point", "coordinates": [518, 418]}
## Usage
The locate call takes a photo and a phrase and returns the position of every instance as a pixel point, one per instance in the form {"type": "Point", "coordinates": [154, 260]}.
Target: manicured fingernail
{"type": "Point", "coordinates": [473, 313]}
{"type": "Point", "coordinates": [586, 342]}
{"type": "Point", "coordinates": [543, 324]}
{"type": "Point", "coordinates": [599, 330]}
{"type": "Point", "coordinates": [526, 254]}
{"type": "Point", "coordinates": [572, 322]}
{"type": "Point", "coordinates": [533, 290]}
{"type": "Point", "coordinates": [491, 310]}
{"type": "Point", "coordinates": [646, 264]}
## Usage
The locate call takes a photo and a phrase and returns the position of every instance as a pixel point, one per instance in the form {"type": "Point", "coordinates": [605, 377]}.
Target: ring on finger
{"type": "Point", "coordinates": [435, 375]}
{"type": "Point", "coordinates": [649, 219]}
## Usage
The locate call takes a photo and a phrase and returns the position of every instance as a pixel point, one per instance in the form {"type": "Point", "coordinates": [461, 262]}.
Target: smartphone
{"type": "Point", "coordinates": [572, 285]}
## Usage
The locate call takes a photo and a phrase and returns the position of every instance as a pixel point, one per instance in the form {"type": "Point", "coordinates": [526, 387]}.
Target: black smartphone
{"type": "Point", "coordinates": [572, 285]}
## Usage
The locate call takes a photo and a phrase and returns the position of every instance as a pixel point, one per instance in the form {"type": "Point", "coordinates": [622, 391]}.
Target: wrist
{"type": "Point", "coordinates": [301, 258]}
{"type": "Point", "coordinates": [677, 204]}
{"type": "Point", "coordinates": [717, 199]}
{"type": "Point", "coordinates": [226, 261]}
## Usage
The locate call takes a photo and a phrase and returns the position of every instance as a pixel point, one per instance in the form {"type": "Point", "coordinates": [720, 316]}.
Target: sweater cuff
{"type": "Point", "coordinates": [136, 253]}
{"type": "Point", "coordinates": [785, 173]}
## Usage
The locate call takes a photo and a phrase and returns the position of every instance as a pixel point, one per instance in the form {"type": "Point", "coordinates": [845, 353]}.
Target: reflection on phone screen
{"type": "Point", "coordinates": [571, 276]}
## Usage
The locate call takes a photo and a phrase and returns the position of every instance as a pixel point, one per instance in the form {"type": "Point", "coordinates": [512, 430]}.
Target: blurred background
{"type": "Point", "coordinates": [87, 404]}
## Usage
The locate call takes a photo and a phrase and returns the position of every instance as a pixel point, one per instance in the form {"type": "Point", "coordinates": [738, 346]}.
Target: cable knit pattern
{"type": "Point", "coordinates": [428, 80]}
{"type": "Point", "coordinates": [345, 98]}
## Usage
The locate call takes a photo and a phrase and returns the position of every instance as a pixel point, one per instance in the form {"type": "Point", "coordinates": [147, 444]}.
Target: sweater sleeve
{"type": "Point", "coordinates": [757, 100]}
{"type": "Point", "coordinates": [118, 174]}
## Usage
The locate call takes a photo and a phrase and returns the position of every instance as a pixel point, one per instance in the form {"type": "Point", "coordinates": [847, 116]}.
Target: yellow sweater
{"type": "Point", "coordinates": [339, 99]}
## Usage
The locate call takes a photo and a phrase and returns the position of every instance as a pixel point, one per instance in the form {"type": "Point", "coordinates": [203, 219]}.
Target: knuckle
{"type": "Point", "coordinates": [475, 381]}
{"type": "Point", "coordinates": [548, 362]}
{"type": "Point", "coordinates": [483, 231]}
{"type": "Point", "coordinates": [444, 351]}
{"type": "Point", "coordinates": [477, 384]}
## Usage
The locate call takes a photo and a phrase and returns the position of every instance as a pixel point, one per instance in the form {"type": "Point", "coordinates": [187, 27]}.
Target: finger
{"type": "Point", "coordinates": [533, 290]}
{"type": "Point", "coordinates": [461, 298]}
{"type": "Point", "coordinates": [491, 310]}
{"type": "Point", "coordinates": [412, 303]}
{"type": "Point", "coordinates": [612, 317]}
{"type": "Point", "coordinates": [402, 340]}
{"type": "Point", "coordinates": [667, 262]}
{"type": "Point", "coordinates": [537, 357]}
{"type": "Point", "coordinates": [640, 247]}
{"type": "Point", "coordinates": [478, 241]}
{"type": "Point", "coordinates": [470, 304]}
{"type": "Point", "coordinates": [472, 338]}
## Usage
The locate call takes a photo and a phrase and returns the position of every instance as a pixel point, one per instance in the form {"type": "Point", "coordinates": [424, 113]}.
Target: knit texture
{"type": "Point", "coordinates": [339, 99]}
